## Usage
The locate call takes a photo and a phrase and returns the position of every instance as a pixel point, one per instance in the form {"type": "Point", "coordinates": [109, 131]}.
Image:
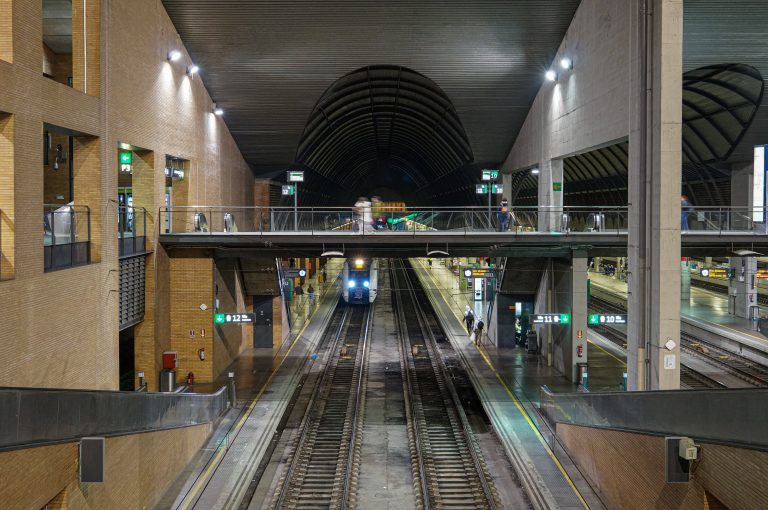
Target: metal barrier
{"type": "Point", "coordinates": [734, 417]}
{"type": "Point", "coordinates": [131, 230]}
{"type": "Point", "coordinates": [66, 236]}
{"type": "Point", "coordinates": [38, 416]}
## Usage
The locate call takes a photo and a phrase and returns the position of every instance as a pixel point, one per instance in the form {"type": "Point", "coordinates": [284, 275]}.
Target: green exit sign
{"type": "Point", "coordinates": [557, 186]}
{"type": "Point", "coordinates": [233, 318]}
{"type": "Point", "coordinates": [126, 158]}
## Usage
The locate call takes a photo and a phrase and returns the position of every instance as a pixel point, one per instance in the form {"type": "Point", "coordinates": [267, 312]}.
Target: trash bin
{"type": "Point", "coordinates": [532, 342]}
{"type": "Point", "coordinates": [167, 380]}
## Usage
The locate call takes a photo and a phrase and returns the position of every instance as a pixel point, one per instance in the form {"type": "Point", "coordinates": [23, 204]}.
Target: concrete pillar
{"type": "Point", "coordinates": [655, 163]}
{"type": "Point", "coordinates": [707, 261]}
{"type": "Point", "coordinates": [685, 280]}
{"type": "Point", "coordinates": [578, 313]}
{"type": "Point", "coordinates": [742, 289]}
{"type": "Point", "coordinates": [596, 264]}
{"type": "Point", "coordinates": [550, 195]}
{"type": "Point", "coordinates": [742, 194]}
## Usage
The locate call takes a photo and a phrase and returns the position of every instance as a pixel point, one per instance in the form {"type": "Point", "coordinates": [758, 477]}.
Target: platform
{"type": "Point", "coordinates": [705, 311]}
{"type": "Point", "coordinates": [508, 383]}
{"type": "Point", "coordinates": [265, 380]}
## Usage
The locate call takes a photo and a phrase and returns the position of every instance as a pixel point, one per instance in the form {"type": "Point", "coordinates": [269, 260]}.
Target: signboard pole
{"type": "Point", "coordinates": [296, 207]}
{"type": "Point", "coordinates": [490, 225]}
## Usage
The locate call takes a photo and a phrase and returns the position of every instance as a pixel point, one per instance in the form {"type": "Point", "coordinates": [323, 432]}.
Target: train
{"type": "Point", "coordinates": [360, 281]}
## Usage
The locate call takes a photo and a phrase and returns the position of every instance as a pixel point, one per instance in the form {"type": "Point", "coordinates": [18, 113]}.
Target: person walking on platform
{"type": "Point", "coordinates": [503, 215]}
{"type": "Point", "coordinates": [685, 209]}
{"type": "Point", "coordinates": [479, 331]}
{"type": "Point", "coordinates": [311, 294]}
{"type": "Point", "coordinates": [469, 318]}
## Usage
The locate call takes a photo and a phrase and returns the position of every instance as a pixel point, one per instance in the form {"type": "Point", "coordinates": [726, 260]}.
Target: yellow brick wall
{"type": "Point", "coordinates": [139, 468]}
{"type": "Point", "coordinates": [60, 329]}
{"type": "Point", "coordinates": [627, 470]}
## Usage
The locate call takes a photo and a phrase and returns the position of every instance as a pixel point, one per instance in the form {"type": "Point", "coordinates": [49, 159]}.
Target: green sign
{"type": "Point", "coordinates": [557, 186]}
{"type": "Point", "coordinates": [233, 318]}
{"type": "Point", "coordinates": [126, 158]}
{"type": "Point", "coordinates": [295, 176]}
{"type": "Point", "coordinates": [551, 318]}
{"type": "Point", "coordinates": [482, 189]}
{"type": "Point", "coordinates": [599, 318]}
{"type": "Point", "coordinates": [490, 175]}
{"type": "Point", "coordinates": [289, 189]}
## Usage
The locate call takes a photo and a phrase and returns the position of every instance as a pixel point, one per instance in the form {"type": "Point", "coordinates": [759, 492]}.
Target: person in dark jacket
{"type": "Point", "coordinates": [469, 318]}
{"type": "Point", "coordinates": [503, 215]}
{"type": "Point", "coordinates": [479, 331]}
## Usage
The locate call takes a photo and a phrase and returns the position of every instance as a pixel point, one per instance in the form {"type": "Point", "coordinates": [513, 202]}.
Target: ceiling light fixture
{"type": "Point", "coordinates": [551, 75]}
{"type": "Point", "coordinates": [217, 110]}
{"type": "Point", "coordinates": [174, 55]}
{"type": "Point", "coordinates": [535, 171]}
{"type": "Point", "coordinates": [566, 63]}
{"type": "Point", "coordinates": [192, 70]}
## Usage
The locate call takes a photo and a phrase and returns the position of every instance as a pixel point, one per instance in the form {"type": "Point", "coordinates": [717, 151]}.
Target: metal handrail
{"type": "Point", "coordinates": [703, 414]}
{"type": "Point", "coordinates": [44, 416]}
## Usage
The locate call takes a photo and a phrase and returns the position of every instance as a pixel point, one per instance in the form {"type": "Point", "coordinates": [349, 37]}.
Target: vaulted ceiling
{"type": "Point", "coordinates": [273, 65]}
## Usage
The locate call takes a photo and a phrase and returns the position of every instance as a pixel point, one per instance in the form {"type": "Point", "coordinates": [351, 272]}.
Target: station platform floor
{"type": "Point", "coordinates": [705, 309]}
{"type": "Point", "coordinates": [509, 383]}
{"type": "Point", "coordinates": [264, 381]}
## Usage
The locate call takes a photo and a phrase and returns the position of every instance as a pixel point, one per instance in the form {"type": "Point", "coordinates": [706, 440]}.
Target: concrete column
{"type": "Point", "coordinates": [742, 290]}
{"type": "Point", "coordinates": [707, 261]}
{"type": "Point", "coordinates": [655, 161]}
{"type": "Point", "coordinates": [685, 280]}
{"type": "Point", "coordinates": [742, 193]}
{"type": "Point", "coordinates": [550, 201]}
{"type": "Point", "coordinates": [578, 313]}
{"type": "Point", "coordinates": [596, 264]}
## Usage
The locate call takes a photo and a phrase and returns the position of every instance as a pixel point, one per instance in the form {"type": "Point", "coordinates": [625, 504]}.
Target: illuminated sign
{"type": "Point", "coordinates": [762, 273]}
{"type": "Point", "coordinates": [599, 318]}
{"type": "Point", "coordinates": [295, 273]}
{"type": "Point", "coordinates": [233, 318]}
{"type": "Point", "coordinates": [479, 273]}
{"type": "Point", "coordinates": [126, 161]}
{"type": "Point", "coordinates": [551, 318]}
{"type": "Point", "coordinates": [490, 175]}
{"type": "Point", "coordinates": [557, 186]}
{"type": "Point", "coordinates": [715, 272]}
{"type": "Point", "coordinates": [295, 176]}
{"type": "Point", "coordinates": [288, 189]}
{"type": "Point", "coordinates": [482, 189]}
{"type": "Point", "coordinates": [175, 173]}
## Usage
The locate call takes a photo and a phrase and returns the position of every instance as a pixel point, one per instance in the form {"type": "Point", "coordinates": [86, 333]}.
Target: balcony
{"type": "Point", "coordinates": [131, 230]}
{"type": "Point", "coordinates": [66, 236]}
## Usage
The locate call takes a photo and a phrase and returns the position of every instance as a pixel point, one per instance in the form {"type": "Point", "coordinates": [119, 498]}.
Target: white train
{"type": "Point", "coordinates": [360, 280]}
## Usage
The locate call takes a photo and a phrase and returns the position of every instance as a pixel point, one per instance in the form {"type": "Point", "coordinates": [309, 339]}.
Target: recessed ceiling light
{"type": "Point", "coordinates": [192, 70]}
{"type": "Point", "coordinates": [551, 75]}
{"type": "Point", "coordinates": [174, 55]}
{"type": "Point", "coordinates": [566, 63]}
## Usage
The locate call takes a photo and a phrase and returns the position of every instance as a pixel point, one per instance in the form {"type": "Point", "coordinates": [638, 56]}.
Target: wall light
{"type": "Point", "coordinates": [535, 171]}
{"type": "Point", "coordinates": [192, 70]}
{"type": "Point", "coordinates": [551, 75]}
{"type": "Point", "coordinates": [174, 55]}
{"type": "Point", "coordinates": [217, 110]}
{"type": "Point", "coordinates": [566, 63]}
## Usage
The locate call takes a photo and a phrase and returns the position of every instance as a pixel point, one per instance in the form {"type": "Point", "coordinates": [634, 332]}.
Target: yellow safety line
{"type": "Point", "coordinates": [609, 353]}
{"type": "Point", "coordinates": [191, 496]}
{"type": "Point", "coordinates": [519, 405]}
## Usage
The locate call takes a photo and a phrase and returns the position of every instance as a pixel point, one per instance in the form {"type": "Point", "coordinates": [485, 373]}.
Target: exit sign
{"type": "Point", "coordinates": [557, 186]}
{"type": "Point", "coordinates": [126, 160]}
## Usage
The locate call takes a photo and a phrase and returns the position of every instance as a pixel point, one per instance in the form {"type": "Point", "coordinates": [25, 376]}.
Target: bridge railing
{"type": "Point", "coordinates": [520, 220]}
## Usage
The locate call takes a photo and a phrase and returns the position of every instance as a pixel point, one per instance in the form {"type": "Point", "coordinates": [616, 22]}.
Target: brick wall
{"type": "Point", "coordinates": [627, 471]}
{"type": "Point", "coordinates": [139, 468]}
{"type": "Point", "coordinates": [60, 329]}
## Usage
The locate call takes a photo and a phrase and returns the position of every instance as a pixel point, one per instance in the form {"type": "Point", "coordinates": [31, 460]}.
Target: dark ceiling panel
{"type": "Point", "coordinates": [267, 62]}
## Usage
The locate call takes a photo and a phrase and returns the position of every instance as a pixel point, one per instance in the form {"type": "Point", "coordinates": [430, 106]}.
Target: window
{"type": "Point", "coordinates": [57, 40]}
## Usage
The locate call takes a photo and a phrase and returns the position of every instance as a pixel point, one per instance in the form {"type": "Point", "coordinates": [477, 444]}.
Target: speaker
{"type": "Point", "coordinates": [92, 459]}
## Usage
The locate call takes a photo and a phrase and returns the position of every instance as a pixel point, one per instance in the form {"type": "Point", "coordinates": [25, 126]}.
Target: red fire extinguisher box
{"type": "Point", "coordinates": [170, 360]}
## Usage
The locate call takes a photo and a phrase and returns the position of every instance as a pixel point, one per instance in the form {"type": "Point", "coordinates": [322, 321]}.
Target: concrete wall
{"type": "Point", "coordinates": [60, 329]}
{"type": "Point", "coordinates": [139, 468]}
{"type": "Point", "coordinates": [588, 106]}
{"type": "Point", "coordinates": [627, 471]}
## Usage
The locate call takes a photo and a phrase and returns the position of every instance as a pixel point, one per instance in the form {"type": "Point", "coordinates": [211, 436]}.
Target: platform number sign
{"type": "Point", "coordinates": [490, 175]}
{"type": "Point", "coordinates": [233, 318]}
{"type": "Point", "coordinates": [551, 318]}
{"type": "Point", "coordinates": [598, 318]}
{"type": "Point", "coordinates": [126, 162]}
{"type": "Point", "coordinates": [295, 176]}
{"type": "Point", "coordinates": [289, 189]}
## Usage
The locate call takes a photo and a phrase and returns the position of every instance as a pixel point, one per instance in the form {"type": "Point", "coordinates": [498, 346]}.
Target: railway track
{"type": "Point", "coordinates": [447, 463]}
{"type": "Point", "coordinates": [738, 366]}
{"type": "Point", "coordinates": [689, 378]}
{"type": "Point", "coordinates": [323, 467]}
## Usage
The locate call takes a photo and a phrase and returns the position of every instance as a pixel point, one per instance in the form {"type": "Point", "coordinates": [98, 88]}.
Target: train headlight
{"type": "Point", "coordinates": [351, 284]}
{"type": "Point", "coordinates": [365, 284]}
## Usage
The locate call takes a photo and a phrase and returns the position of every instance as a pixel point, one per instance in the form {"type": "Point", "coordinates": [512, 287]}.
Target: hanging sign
{"type": "Point", "coordinates": [551, 318]}
{"type": "Point", "coordinates": [233, 318]}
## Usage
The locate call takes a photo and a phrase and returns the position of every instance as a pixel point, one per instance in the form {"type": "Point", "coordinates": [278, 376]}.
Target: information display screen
{"type": "Point", "coordinates": [599, 318]}
{"type": "Point", "coordinates": [479, 273]}
{"type": "Point", "coordinates": [233, 318]}
{"type": "Point", "coordinates": [551, 318]}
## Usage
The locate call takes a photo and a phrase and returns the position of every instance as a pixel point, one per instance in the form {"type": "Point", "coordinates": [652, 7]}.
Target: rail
{"type": "Point", "coordinates": [131, 230]}
{"type": "Point", "coordinates": [707, 415]}
{"type": "Point", "coordinates": [424, 220]}
{"type": "Point", "coordinates": [33, 416]}
{"type": "Point", "coordinates": [66, 236]}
